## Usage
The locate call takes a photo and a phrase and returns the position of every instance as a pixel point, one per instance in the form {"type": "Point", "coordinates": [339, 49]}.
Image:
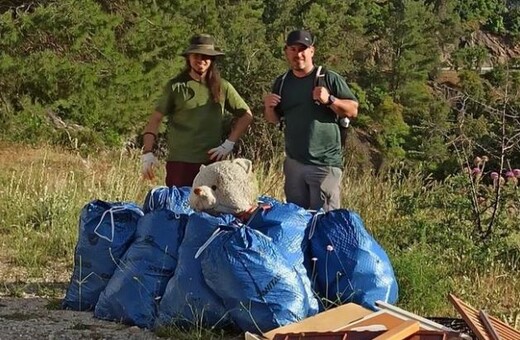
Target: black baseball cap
{"type": "Point", "coordinates": [299, 37]}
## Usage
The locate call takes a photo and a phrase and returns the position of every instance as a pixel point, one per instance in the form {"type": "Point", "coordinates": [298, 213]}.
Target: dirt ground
{"type": "Point", "coordinates": [39, 318]}
{"type": "Point", "coordinates": [30, 309]}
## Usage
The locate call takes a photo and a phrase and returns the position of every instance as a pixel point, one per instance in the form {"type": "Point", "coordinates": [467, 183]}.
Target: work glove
{"type": "Point", "coordinates": [344, 122]}
{"type": "Point", "coordinates": [220, 152]}
{"type": "Point", "coordinates": [148, 162]}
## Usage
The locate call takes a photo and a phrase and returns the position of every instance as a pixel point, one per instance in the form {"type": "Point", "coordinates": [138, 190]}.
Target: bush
{"type": "Point", "coordinates": [423, 280]}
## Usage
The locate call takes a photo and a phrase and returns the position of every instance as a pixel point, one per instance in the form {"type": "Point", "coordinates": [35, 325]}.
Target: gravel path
{"type": "Point", "coordinates": [37, 318]}
{"type": "Point", "coordinates": [30, 309]}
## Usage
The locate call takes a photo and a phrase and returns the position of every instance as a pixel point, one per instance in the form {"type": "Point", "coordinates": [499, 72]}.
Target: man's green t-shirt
{"type": "Point", "coordinates": [195, 120]}
{"type": "Point", "coordinates": [312, 133]}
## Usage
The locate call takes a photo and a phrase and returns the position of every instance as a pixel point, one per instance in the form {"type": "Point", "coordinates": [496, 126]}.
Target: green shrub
{"type": "Point", "coordinates": [423, 280]}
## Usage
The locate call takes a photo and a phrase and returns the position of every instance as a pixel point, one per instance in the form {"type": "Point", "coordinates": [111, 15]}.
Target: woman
{"type": "Point", "coordinates": [194, 102]}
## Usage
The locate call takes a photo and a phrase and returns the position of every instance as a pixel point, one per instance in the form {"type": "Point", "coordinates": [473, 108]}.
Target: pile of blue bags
{"type": "Point", "coordinates": [163, 264]}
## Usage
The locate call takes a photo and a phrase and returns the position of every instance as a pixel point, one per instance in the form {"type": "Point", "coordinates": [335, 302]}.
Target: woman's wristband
{"type": "Point", "coordinates": [150, 133]}
{"type": "Point", "coordinates": [155, 138]}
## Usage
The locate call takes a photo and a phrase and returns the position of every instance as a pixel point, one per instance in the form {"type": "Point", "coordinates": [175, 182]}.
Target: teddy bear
{"type": "Point", "coordinates": [228, 186]}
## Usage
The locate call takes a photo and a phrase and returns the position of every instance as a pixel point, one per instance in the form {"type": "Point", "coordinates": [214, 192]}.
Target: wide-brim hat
{"type": "Point", "coordinates": [202, 44]}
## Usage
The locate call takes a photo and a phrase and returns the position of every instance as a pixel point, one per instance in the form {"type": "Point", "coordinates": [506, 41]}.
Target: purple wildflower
{"type": "Point", "coordinates": [494, 175]}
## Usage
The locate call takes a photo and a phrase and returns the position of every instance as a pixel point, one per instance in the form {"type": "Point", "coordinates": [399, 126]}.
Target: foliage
{"type": "Point", "coordinates": [393, 129]}
{"type": "Point", "coordinates": [470, 58]}
{"type": "Point", "coordinates": [84, 75]}
{"type": "Point", "coordinates": [83, 68]}
{"type": "Point", "coordinates": [423, 280]}
{"type": "Point", "coordinates": [89, 81]}
{"type": "Point", "coordinates": [512, 22]}
{"type": "Point", "coordinates": [427, 227]}
{"type": "Point", "coordinates": [487, 12]}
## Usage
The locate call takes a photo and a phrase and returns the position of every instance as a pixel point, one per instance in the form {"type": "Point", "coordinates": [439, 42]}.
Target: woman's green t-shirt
{"type": "Point", "coordinates": [195, 120]}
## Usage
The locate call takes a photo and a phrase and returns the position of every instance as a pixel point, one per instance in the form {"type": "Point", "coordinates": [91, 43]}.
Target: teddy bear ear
{"type": "Point", "coordinates": [244, 163]}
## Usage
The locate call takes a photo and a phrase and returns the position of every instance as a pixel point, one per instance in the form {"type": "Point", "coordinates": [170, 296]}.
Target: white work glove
{"type": "Point", "coordinates": [344, 122]}
{"type": "Point", "coordinates": [220, 152]}
{"type": "Point", "coordinates": [148, 162]}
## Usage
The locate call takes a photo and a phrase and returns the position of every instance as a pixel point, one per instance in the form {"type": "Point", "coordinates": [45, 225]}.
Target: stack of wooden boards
{"type": "Point", "coordinates": [484, 326]}
{"type": "Point", "coordinates": [353, 322]}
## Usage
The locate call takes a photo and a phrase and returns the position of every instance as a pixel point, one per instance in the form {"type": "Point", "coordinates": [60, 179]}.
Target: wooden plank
{"type": "Point", "coordinates": [330, 320]}
{"type": "Point", "coordinates": [433, 335]}
{"type": "Point", "coordinates": [381, 317]}
{"type": "Point", "coordinates": [488, 325]}
{"type": "Point", "coordinates": [426, 324]}
{"type": "Point", "coordinates": [400, 332]}
{"type": "Point", "coordinates": [471, 316]}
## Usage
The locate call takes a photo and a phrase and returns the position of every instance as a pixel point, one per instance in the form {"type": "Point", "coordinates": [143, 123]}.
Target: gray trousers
{"type": "Point", "coordinates": [312, 186]}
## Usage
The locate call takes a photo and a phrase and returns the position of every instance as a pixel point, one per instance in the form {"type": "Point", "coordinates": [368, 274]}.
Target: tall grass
{"type": "Point", "coordinates": [42, 196]}
{"type": "Point", "coordinates": [42, 192]}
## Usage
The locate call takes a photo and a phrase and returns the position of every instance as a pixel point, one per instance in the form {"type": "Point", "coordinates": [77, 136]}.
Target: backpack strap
{"type": "Point", "coordinates": [279, 83]}
{"type": "Point", "coordinates": [278, 86]}
{"type": "Point", "coordinates": [319, 80]}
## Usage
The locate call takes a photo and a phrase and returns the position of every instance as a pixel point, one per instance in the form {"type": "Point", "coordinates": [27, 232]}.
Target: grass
{"type": "Point", "coordinates": [43, 193]}
{"type": "Point", "coordinates": [424, 226]}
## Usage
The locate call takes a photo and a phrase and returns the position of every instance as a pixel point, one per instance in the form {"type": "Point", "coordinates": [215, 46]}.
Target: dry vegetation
{"type": "Point", "coordinates": [43, 190]}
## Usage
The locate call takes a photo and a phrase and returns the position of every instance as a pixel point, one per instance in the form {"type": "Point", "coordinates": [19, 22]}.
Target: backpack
{"type": "Point", "coordinates": [319, 80]}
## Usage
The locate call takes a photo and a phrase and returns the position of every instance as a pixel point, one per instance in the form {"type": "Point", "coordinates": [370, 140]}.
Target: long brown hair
{"type": "Point", "coordinates": [213, 80]}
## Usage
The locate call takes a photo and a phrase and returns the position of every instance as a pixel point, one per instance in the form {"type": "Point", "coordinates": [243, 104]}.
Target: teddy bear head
{"type": "Point", "coordinates": [227, 186]}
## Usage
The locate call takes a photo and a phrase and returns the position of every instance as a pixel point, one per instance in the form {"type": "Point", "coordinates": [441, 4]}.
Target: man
{"type": "Point", "coordinates": [194, 102]}
{"type": "Point", "coordinates": [310, 112]}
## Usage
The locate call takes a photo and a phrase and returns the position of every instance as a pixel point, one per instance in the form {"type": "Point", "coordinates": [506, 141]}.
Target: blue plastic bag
{"type": "Point", "coordinates": [172, 198]}
{"type": "Point", "coordinates": [133, 293]}
{"type": "Point", "coordinates": [258, 287]}
{"type": "Point", "coordinates": [348, 264]}
{"type": "Point", "coordinates": [187, 300]}
{"type": "Point", "coordinates": [105, 232]}
{"type": "Point", "coordinates": [286, 224]}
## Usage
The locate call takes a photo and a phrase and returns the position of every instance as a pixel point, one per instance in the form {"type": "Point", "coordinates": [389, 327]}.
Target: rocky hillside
{"type": "Point", "coordinates": [501, 49]}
